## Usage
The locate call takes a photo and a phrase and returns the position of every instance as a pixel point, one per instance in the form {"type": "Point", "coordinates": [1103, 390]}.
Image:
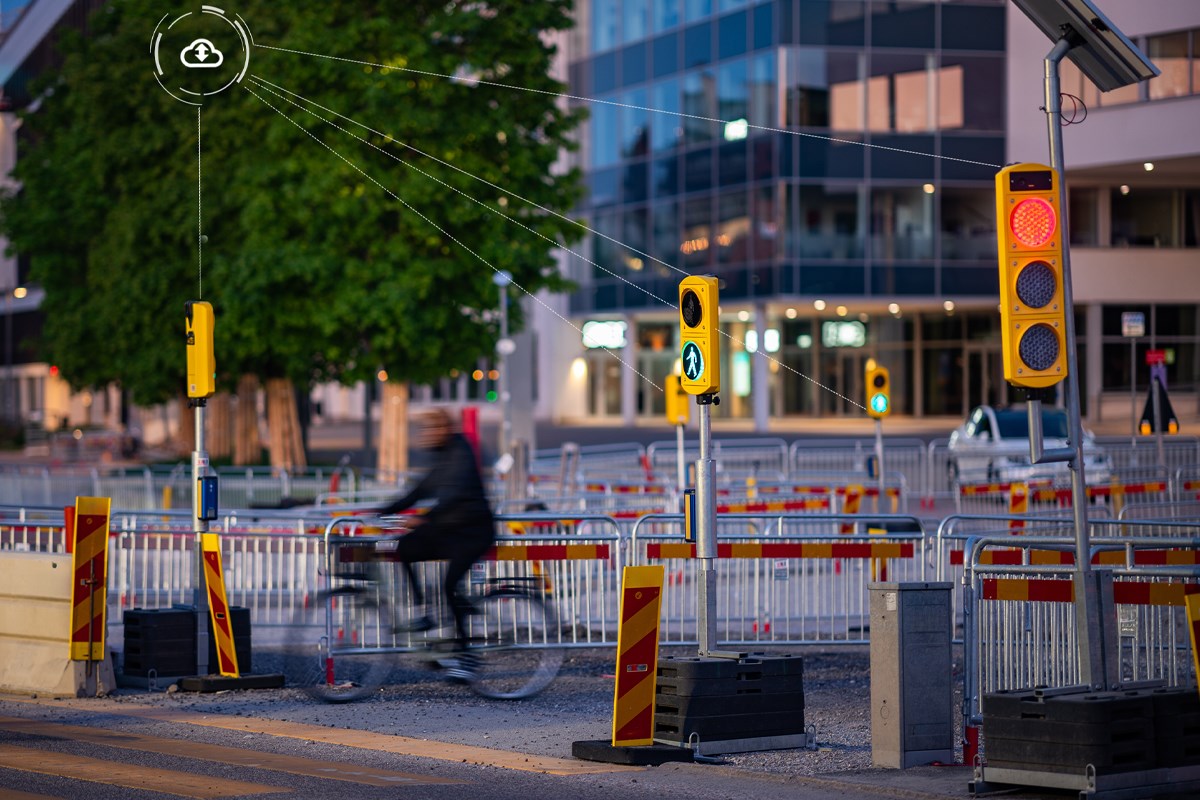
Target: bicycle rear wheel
{"type": "Point", "coordinates": [344, 664]}
{"type": "Point", "coordinates": [515, 636]}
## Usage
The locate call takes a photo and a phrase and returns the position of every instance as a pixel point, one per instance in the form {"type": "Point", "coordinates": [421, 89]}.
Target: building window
{"type": "Point", "coordinates": [1169, 53]}
{"type": "Point", "coordinates": [605, 24]}
{"type": "Point", "coordinates": [1146, 218]}
{"type": "Point", "coordinates": [1084, 213]}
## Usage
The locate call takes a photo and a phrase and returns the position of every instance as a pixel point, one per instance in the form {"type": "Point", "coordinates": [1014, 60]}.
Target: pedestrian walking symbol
{"type": "Point", "coordinates": [693, 361]}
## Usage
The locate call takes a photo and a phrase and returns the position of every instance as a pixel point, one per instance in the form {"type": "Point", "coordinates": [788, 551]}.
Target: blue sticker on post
{"type": "Point", "coordinates": [208, 497]}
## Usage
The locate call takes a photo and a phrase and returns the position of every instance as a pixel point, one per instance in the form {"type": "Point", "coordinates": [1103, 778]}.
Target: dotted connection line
{"type": "Point", "coordinates": [269, 87]}
{"type": "Point", "coordinates": [442, 231]}
{"type": "Point", "coordinates": [682, 115]}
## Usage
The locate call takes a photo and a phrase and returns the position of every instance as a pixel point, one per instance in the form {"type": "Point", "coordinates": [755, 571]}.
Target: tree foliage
{"type": "Point", "coordinates": [315, 271]}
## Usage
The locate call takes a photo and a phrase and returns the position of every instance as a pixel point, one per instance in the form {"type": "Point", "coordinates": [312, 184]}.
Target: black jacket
{"type": "Point", "coordinates": [456, 488]}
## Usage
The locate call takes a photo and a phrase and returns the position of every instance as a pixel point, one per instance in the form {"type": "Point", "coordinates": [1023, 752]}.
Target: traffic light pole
{"type": "Point", "coordinates": [706, 532]}
{"type": "Point", "coordinates": [1088, 629]}
{"type": "Point", "coordinates": [199, 528]}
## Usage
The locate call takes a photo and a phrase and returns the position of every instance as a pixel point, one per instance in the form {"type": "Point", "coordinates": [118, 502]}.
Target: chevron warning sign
{"type": "Point", "coordinates": [637, 656]}
{"type": "Point", "coordinates": [222, 625]}
{"type": "Point", "coordinates": [89, 550]}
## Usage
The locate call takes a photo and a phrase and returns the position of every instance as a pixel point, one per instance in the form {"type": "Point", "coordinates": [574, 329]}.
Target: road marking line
{"type": "Point", "coordinates": [296, 765]}
{"type": "Point", "coordinates": [362, 740]}
{"type": "Point", "coordinates": [131, 776]}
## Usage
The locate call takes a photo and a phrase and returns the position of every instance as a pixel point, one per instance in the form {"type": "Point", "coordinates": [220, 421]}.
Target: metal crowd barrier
{"type": "Point", "coordinates": [785, 579]}
{"type": "Point", "coordinates": [904, 458]}
{"type": "Point", "coordinates": [1019, 621]}
{"type": "Point", "coordinates": [577, 563]}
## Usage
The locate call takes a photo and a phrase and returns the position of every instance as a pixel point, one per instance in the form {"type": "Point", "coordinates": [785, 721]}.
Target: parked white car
{"type": "Point", "coordinates": [992, 446]}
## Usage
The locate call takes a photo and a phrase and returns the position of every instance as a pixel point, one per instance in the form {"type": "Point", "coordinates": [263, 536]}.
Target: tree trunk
{"type": "Point", "coordinates": [218, 428]}
{"type": "Point", "coordinates": [283, 426]}
{"type": "Point", "coordinates": [393, 432]}
{"type": "Point", "coordinates": [247, 449]}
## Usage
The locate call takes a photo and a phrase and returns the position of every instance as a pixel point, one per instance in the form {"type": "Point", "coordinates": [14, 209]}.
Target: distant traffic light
{"type": "Point", "coordinates": [679, 411]}
{"type": "Point", "coordinates": [201, 361]}
{"type": "Point", "coordinates": [698, 330]}
{"type": "Point", "coordinates": [1032, 311]}
{"type": "Point", "coordinates": [879, 390]}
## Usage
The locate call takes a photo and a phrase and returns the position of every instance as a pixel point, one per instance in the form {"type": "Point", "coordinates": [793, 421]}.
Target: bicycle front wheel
{"type": "Point", "coordinates": [341, 662]}
{"type": "Point", "coordinates": [515, 636]}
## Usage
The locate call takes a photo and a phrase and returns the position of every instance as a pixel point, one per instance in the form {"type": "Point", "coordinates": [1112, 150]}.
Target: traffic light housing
{"type": "Point", "coordinates": [699, 328]}
{"type": "Point", "coordinates": [679, 410]}
{"type": "Point", "coordinates": [1029, 227]}
{"type": "Point", "coordinates": [879, 390]}
{"type": "Point", "coordinates": [201, 361]}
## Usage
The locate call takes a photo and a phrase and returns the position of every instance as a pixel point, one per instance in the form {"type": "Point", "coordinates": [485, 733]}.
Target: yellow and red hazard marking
{"type": "Point", "coordinates": [1062, 590]}
{"type": "Point", "coordinates": [89, 597]}
{"type": "Point", "coordinates": [1043, 494]}
{"type": "Point", "coordinates": [787, 550]}
{"type": "Point", "coordinates": [770, 506]}
{"type": "Point", "coordinates": [218, 608]}
{"type": "Point", "coordinates": [637, 656]}
{"type": "Point", "coordinates": [1011, 557]}
{"type": "Point", "coordinates": [1192, 603]}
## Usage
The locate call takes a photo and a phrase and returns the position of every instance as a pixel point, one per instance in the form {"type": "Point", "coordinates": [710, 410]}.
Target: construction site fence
{"type": "Point", "coordinates": [171, 487]}
{"type": "Point", "coordinates": [1020, 623]}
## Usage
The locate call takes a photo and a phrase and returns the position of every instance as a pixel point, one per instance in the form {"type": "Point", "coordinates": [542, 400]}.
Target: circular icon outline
{"type": "Point", "coordinates": [245, 39]}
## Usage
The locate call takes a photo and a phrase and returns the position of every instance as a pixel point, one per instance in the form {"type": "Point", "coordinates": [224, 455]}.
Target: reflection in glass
{"type": "Point", "coordinates": [637, 13]}
{"type": "Point", "coordinates": [635, 241]}
{"type": "Point", "coordinates": [1144, 218]}
{"type": "Point", "coordinates": [807, 93]}
{"type": "Point", "coordinates": [699, 100]}
{"type": "Point", "coordinates": [666, 237]}
{"type": "Point", "coordinates": [635, 124]}
{"type": "Point", "coordinates": [1170, 54]}
{"type": "Point", "coordinates": [733, 227]}
{"type": "Point", "coordinates": [696, 246]}
{"type": "Point", "coordinates": [697, 9]}
{"type": "Point", "coordinates": [828, 223]}
{"type": "Point", "coordinates": [901, 224]}
{"type": "Point", "coordinates": [605, 141]}
{"type": "Point", "coordinates": [1084, 216]}
{"type": "Point", "coordinates": [762, 90]}
{"type": "Point", "coordinates": [604, 24]}
{"type": "Point", "coordinates": [766, 221]}
{"type": "Point", "coordinates": [666, 129]}
{"type": "Point", "coordinates": [666, 14]}
{"type": "Point", "coordinates": [968, 224]}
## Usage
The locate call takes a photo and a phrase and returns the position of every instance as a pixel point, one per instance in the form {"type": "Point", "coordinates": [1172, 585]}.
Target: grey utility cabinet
{"type": "Point", "coordinates": [912, 707]}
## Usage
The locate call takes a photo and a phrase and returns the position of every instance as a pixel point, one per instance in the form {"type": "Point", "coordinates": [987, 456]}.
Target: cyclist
{"type": "Point", "coordinates": [458, 527]}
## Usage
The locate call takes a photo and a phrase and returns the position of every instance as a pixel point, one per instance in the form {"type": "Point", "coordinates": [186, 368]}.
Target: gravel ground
{"type": "Point", "coordinates": [578, 705]}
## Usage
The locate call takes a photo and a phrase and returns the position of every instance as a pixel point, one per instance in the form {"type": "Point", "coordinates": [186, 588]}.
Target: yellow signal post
{"type": "Point", "coordinates": [698, 328]}
{"type": "Point", "coordinates": [879, 390]}
{"type": "Point", "coordinates": [1029, 226]}
{"type": "Point", "coordinates": [201, 357]}
{"type": "Point", "coordinates": [679, 409]}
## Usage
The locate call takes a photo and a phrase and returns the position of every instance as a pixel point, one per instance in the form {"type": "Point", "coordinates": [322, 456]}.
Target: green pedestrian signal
{"type": "Point", "coordinates": [693, 361]}
{"type": "Point", "coordinates": [879, 403]}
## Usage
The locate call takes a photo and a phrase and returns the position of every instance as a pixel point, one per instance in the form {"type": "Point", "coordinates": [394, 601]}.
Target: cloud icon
{"type": "Point", "coordinates": [201, 54]}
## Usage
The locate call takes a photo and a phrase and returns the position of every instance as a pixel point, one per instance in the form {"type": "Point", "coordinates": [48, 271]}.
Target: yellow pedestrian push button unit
{"type": "Point", "coordinates": [201, 360]}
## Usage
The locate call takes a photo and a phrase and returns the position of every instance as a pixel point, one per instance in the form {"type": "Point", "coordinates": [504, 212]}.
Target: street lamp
{"type": "Point", "coordinates": [504, 348]}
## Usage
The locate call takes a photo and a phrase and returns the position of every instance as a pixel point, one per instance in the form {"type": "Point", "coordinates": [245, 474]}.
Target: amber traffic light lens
{"type": "Point", "coordinates": [1039, 347]}
{"type": "Point", "coordinates": [1036, 284]}
{"type": "Point", "coordinates": [1033, 222]}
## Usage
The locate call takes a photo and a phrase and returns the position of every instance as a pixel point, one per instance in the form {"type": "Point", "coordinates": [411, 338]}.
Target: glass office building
{"type": "Point", "coordinates": [761, 177]}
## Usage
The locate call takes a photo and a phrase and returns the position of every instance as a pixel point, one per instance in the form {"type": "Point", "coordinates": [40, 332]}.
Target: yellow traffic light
{"type": "Point", "coordinates": [698, 331]}
{"type": "Point", "coordinates": [1029, 227]}
{"type": "Point", "coordinates": [201, 361]}
{"type": "Point", "coordinates": [879, 390]}
{"type": "Point", "coordinates": [679, 410]}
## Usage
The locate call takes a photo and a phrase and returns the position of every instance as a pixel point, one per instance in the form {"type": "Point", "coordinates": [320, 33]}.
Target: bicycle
{"type": "Point", "coordinates": [343, 645]}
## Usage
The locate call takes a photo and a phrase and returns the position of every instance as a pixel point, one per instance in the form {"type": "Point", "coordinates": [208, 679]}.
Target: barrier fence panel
{"type": "Point", "coordinates": [783, 579]}
{"type": "Point", "coordinates": [902, 458]}
{"type": "Point", "coordinates": [1020, 627]}
{"type": "Point", "coordinates": [576, 563]}
{"type": "Point", "coordinates": [1142, 452]}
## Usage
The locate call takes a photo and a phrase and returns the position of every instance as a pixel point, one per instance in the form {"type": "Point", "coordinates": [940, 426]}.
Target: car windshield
{"type": "Point", "coordinates": [1014, 423]}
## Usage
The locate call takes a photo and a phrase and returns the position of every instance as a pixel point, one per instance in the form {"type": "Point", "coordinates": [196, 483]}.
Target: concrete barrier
{"type": "Point", "coordinates": [35, 630]}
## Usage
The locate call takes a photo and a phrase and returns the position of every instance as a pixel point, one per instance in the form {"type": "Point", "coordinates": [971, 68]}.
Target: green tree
{"type": "Point", "coordinates": [315, 271]}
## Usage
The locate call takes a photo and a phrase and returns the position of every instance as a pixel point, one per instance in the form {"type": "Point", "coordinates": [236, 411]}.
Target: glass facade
{"type": "Point", "coordinates": [760, 176]}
